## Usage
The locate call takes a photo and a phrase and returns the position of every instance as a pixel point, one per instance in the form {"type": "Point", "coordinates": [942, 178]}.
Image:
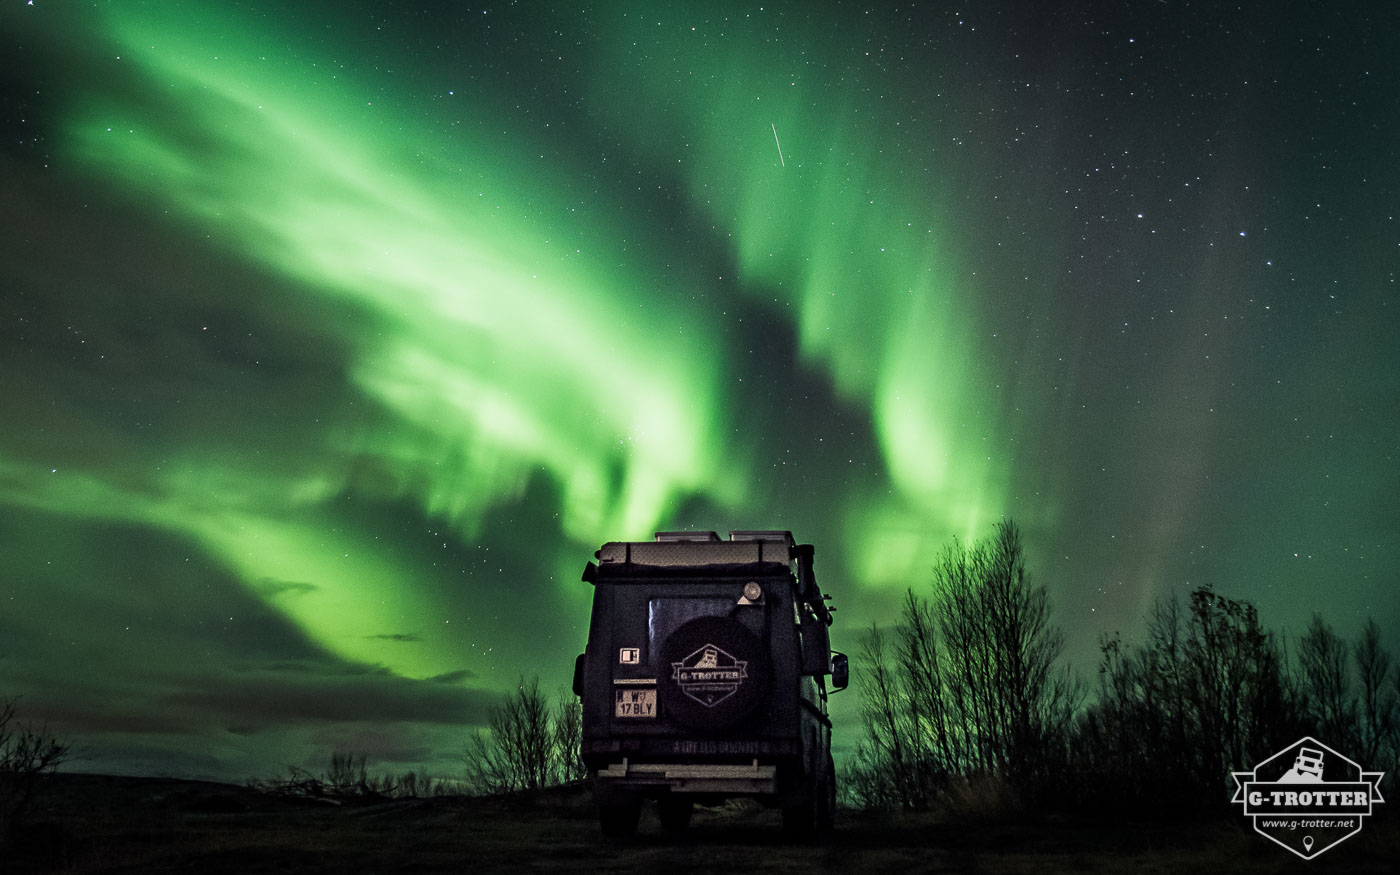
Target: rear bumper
{"type": "Point", "coordinates": [602, 751]}
{"type": "Point", "coordinates": [750, 779]}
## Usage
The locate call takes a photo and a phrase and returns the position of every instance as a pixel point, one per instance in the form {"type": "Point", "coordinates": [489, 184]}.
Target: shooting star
{"type": "Point", "coordinates": [780, 145]}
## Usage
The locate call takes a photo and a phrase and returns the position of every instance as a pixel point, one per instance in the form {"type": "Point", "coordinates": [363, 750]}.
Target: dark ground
{"type": "Point", "coordinates": [92, 824]}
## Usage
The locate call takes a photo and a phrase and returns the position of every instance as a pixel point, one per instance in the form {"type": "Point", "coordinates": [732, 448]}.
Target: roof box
{"type": "Point", "coordinates": [671, 537]}
{"type": "Point", "coordinates": [678, 549]}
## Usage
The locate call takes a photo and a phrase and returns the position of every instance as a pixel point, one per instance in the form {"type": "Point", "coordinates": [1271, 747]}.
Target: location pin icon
{"type": "Point", "coordinates": [1307, 843]}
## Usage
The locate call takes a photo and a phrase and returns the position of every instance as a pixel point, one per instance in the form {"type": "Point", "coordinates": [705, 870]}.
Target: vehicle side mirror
{"type": "Point", "coordinates": [840, 671]}
{"type": "Point", "coordinates": [578, 675]}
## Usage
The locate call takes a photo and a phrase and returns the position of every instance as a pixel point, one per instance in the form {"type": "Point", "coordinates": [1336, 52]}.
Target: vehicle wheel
{"type": "Point", "coordinates": [674, 813]}
{"type": "Point", "coordinates": [816, 813]}
{"type": "Point", "coordinates": [800, 820]}
{"type": "Point", "coordinates": [714, 675]}
{"type": "Point", "coordinates": [826, 819]}
{"type": "Point", "coordinates": [618, 820]}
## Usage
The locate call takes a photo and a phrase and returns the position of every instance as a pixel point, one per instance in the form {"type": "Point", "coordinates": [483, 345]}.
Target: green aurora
{"type": "Point", "coordinates": [378, 326]}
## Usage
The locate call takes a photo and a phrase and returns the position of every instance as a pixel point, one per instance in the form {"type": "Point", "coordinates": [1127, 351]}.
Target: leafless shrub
{"type": "Point", "coordinates": [27, 753]}
{"type": "Point", "coordinates": [348, 775]}
{"type": "Point", "coordinates": [526, 747]}
{"type": "Point", "coordinates": [298, 783]}
{"type": "Point", "coordinates": [348, 780]}
{"type": "Point", "coordinates": [419, 785]}
{"type": "Point", "coordinates": [568, 738]}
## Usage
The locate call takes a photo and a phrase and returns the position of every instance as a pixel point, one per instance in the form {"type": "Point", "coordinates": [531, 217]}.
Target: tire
{"type": "Point", "coordinates": [800, 821]}
{"type": "Point", "coordinates": [815, 814]}
{"type": "Point", "coordinates": [715, 674]}
{"type": "Point", "coordinates": [618, 820]}
{"type": "Point", "coordinates": [826, 818]}
{"type": "Point", "coordinates": [674, 813]}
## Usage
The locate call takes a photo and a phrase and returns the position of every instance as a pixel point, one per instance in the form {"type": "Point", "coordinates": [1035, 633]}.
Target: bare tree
{"type": "Point", "coordinates": [488, 769]}
{"type": "Point", "coordinates": [526, 747]}
{"type": "Point", "coordinates": [935, 742]}
{"type": "Point", "coordinates": [27, 753]}
{"type": "Point", "coordinates": [1207, 692]}
{"type": "Point", "coordinates": [568, 738]}
{"type": "Point", "coordinates": [877, 777]}
{"type": "Point", "coordinates": [1377, 698]}
{"type": "Point", "coordinates": [1232, 686]}
{"type": "Point", "coordinates": [1006, 707]}
{"type": "Point", "coordinates": [974, 688]}
{"type": "Point", "coordinates": [1330, 702]}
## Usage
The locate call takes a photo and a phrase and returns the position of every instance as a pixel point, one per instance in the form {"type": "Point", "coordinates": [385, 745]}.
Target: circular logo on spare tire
{"type": "Point", "coordinates": [710, 674]}
{"type": "Point", "coordinates": [716, 674]}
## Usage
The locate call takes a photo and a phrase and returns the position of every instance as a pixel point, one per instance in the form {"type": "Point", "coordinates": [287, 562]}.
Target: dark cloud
{"type": "Point", "coordinates": [453, 677]}
{"type": "Point", "coordinates": [327, 697]}
{"type": "Point", "coordinates": [91, 654]}
{"type": "Point", "coordinates": [284, 587]}
{"type": "Point", "coordinates": [135, 590]}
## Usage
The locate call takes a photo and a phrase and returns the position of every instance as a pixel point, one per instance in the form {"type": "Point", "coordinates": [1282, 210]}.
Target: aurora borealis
{"type": "Point", "coordinates": [334, 338]}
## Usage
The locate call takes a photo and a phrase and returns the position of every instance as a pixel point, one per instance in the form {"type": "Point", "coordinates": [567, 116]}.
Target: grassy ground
{"type": "Point", "coordinates": [94, 824]}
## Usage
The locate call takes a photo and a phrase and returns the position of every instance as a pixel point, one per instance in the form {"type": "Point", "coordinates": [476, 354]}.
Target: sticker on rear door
{"type": "Point", "coordinates": [710, 675]}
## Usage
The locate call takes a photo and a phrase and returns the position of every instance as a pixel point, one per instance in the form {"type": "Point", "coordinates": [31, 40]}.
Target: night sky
{"type": "Point", "coordinates": [335, 337]}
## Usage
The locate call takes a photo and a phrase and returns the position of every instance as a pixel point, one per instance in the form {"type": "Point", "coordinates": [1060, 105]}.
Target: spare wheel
{"type": "Point", "coordinates": [715, 673]}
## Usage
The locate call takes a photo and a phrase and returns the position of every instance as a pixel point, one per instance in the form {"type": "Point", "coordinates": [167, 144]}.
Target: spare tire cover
{"type": "Point", "coordinates": [715, 673]}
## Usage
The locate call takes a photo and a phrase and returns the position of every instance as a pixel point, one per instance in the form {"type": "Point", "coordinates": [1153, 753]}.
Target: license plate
{"type": "Point", "coordinates": [633, 703]}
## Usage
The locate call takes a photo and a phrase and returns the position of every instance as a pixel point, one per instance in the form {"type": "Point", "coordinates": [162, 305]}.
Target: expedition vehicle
{"type": "Point", "coordinates": [706, 677]}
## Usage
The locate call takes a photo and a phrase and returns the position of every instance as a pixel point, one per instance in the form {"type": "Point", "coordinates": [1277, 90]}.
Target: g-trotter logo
{"type": "Point", "coordinates": [709, 675]}
{"type": "Point", "coordinates": [1307, 797]}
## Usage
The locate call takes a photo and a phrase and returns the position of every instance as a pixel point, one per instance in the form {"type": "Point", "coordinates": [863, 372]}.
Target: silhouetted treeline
{"type": "Point", "coordinates": [966, 705]}
{"type": "Point", "coordinates": [1207, 692]}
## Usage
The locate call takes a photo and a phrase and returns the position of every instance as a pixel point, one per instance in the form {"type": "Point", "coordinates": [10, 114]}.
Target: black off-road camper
{"type": "Point", "coordinates": [706, 677]}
